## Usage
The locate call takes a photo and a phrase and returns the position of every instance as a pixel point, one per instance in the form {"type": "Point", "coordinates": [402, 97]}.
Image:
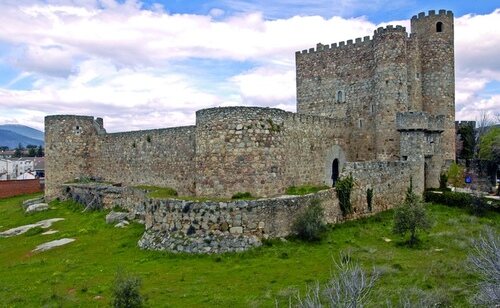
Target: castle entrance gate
{"type": "Point", "coordinates": [334, 162]}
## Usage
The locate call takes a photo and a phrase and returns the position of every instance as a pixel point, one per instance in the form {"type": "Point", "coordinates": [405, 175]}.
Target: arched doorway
{"type": "Point", "coordinates": [335, 171]}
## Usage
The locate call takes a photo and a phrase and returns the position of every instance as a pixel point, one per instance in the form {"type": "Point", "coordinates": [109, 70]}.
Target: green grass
{"type": "Point", "coordinates": [304, 189]}
{"type": "Point", "coordinates": [82, 273]}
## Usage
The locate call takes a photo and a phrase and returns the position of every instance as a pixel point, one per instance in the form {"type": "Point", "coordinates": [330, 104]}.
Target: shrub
{"type": "Point", "coordinates": [411, 216]}
{"type": "Point", "coordinates": [310, 226]}
{"type": "Point", "coordinates": [443, 181]}
{"type": "Point", "coordinates": [343, 187]}
{"type": "Point", "coordinates": [477, 205]}
{"type": "Point", "coordinates": [349, 287]}
{"type": "Point", "coordinates": [369, 198]}
{"type": "Point", "coordinates": [242, 195]}
{"type": "Point", "coordinates": [485, 261]}
{"type": "Point", "coordinates": [456, 175]}
{"type": "Point", "coordinates": [126, 291]}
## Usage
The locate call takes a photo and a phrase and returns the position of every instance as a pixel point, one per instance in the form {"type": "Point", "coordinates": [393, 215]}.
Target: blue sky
{"type": "Point", "coordinates": [150, 64]}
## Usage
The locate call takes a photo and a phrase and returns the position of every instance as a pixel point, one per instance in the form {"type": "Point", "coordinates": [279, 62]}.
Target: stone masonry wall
{"type": "Point", "coordinates": [388, 179]}
{"type": "Point", "coordinates": [160, 157]}
{"type": "Point", "coordinates": [70, 143]}
{"type": "Point", "coordinates": [262, 150]}
{"type": "Point", "coordinates": [346, 69]}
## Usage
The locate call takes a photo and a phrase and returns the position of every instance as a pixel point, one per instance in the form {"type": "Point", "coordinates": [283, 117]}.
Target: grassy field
{"type": "Point", "coordinates": [81, 273]}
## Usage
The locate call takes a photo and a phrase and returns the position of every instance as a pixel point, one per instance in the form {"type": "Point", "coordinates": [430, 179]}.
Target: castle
{"type": "Point", "coordinates": [379, 100]}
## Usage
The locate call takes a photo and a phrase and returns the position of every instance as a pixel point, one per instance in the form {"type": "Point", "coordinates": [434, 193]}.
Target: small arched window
{"type": "Point", "coordinates": [439, 27]}
{"type": "Point", "coordinates": [340, 97]}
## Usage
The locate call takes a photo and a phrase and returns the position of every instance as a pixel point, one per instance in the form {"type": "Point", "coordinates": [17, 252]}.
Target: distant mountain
{"type": "Point", "coordinates": [23, 131]}
{"type": "Point", "coordinates": [11, 135]}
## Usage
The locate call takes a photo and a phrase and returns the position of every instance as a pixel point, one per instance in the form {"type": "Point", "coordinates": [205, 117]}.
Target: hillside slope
{"type": "Point", "coordinates": [23, 130]}
{"type": "Point", "coordinates": [12, 139]}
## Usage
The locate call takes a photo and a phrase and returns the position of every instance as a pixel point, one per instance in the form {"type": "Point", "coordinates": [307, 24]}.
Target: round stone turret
{"type": "Point", "coordinates": [70, 144]}
{"type": "Point", "coordinates": [435, 38]}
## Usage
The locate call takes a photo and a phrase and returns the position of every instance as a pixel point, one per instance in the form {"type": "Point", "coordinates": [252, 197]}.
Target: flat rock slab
{"type": "Point", "coordinates": [122, 224]}
{"type": "Point", "coordinates": [37, 207]}
{"type": "Point", "coordinates": [29, 202]}
{"type": "Point", "coordinates": [23, 229]}
{"type": "Point", "coordinates": [52, 244]}
{"type": "Point", "coordinates": [49, 232]}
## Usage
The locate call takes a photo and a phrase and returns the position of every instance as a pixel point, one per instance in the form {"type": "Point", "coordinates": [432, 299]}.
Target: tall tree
{"type": "Point", "coordinates": [19, 151]}
{"type": "Point", "coordinates": [39, 152]}
{"type": "Point", "coordinates": [489, 145]}
{"type": "Point", "coordinates": [467, 135]}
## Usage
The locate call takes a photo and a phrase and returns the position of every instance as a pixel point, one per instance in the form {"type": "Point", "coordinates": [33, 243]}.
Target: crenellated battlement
{"type": "Point", "coordinates": [365, 41]}
{"type": "Point", "coordinates": [432, 13]}
{"type": "Point", "coordinates": [389, 29]}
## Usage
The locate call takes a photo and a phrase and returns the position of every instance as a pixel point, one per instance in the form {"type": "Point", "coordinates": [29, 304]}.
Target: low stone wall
{"type": "Point", "coordinates": [214, 227]}
{"type": "Point", "coordinates": [97, 196]}
{"type": "Point", "coordinates": [20, 187]}
{"type": "Point", "coordinates": [388, 179]}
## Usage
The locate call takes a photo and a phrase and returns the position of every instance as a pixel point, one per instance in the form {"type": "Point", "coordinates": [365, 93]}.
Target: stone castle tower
{"type": "Point", "coordinates": [367, 82]}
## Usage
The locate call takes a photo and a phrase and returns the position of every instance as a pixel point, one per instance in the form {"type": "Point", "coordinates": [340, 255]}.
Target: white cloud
{"type": "Point", "coordinates": [121, 62]}
{"type": "Point", "coordinates": [267, 86]}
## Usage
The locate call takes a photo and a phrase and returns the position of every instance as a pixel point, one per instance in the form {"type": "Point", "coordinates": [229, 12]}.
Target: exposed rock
{"type": "Point", "coordinates": [22, 229]}
{"type": "Point", "coordinates": [29, 202]}
{"type": "Point", "coordinates": [52, 244]}
{"type": "Point", "coordinates": [122, 224]}
{"type": "Point", "coordinates": [49, 232]}
{"type": "Point", "coordinates": [115, 217]}
{"type": "Point", "coordinates": [37, 207]}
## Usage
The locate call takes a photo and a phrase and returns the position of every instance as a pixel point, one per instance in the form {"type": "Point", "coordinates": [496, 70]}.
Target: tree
{"type": "Point", "coordinates": [18, 151]}
{"type": "Point", "coordinates": [4, 148]}
{"type": "Point", "coordinates": [411, 216]}
{"type": "Point", "coordinates": [32, 152]}
{"type": "Point", "coordinates": [467, 135]}
{"type": "Point", "coordinates": [39, 152]}
{"type": "Point", "coordinates": [489, 145]}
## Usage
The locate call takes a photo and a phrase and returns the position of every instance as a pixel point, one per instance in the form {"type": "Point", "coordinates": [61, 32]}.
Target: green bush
{"type": "Point", "coordinates": [456, 175]}
{"type": "Point", "coordinates": [310, 225]}
{"type": "Point", "coordinates": [443, 181]}
{"type": "Point", "coordinates": [126, 291]}
{"type": "Point", "coordinates": [450, 198]}
{"type": "Point", "coordinates": [242, 195]}
{"type": "Point", "coordinates": [343, 187]}
{"type": "Point", "coordinates": [477, 205]}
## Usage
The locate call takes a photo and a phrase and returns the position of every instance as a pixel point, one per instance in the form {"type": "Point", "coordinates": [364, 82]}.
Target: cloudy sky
{"type": "Point", "coordinates": [150, 64]}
